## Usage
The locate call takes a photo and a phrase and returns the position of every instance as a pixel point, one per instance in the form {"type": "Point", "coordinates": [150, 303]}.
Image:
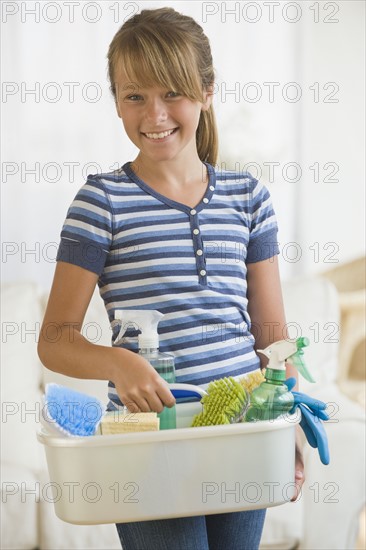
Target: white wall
{"type": "Point", "coordinates": [71, 136]}
{"type": "Point", "coordinates": [331, 226]}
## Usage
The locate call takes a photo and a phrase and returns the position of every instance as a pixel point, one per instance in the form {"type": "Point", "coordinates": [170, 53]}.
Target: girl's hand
{"type": "Point", "coordinates": [140, 387]}
{"type": "Point", "coordinates": [299, 472]}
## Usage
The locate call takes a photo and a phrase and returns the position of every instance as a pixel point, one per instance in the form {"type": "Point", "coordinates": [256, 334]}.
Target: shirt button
{"type": "Point", "coordinates": [205, 200]}
{"type": "Point", "coordinates": [193, 212]}
{"type": "Point", "coordinates": [212, 188]}
{"type": "Point", "coordinates": [202, 272]}
{"type": "Point", "coordinates": [199, 252]}
{"type": "Point", "coordinates": [196, 231]}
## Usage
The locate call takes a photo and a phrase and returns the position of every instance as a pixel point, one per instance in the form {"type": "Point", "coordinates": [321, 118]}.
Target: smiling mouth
{"type": "Point", "coordinates": [160, 135]}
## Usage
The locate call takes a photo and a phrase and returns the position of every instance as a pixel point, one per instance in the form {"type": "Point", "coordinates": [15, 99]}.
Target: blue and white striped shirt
{"type": "Point", "coordinates": [151, 252]}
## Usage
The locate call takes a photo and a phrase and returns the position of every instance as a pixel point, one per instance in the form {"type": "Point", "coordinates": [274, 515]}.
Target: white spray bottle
{"type": "Point", "coordinates": [146, 321]}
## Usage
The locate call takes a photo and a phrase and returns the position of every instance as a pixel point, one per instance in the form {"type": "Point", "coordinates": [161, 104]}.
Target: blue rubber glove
{"type": "Point", "coordinates": [312, 412]}
{"type": "Point", "coordinates": [317, 407]}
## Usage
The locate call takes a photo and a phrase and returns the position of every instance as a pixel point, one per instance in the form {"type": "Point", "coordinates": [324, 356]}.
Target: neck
{"type": "Point", "coordinates": [176, 173]}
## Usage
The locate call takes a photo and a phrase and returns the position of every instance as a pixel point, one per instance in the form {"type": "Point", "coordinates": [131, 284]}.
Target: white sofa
{"type": "Point", "coordinates": [325, 516]}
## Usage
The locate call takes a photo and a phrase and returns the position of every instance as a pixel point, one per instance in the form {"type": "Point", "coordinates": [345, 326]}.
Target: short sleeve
{"type": "Point", "coordinates": [86, 235]}
{"type": "Point", "coordinates": [263, 226]}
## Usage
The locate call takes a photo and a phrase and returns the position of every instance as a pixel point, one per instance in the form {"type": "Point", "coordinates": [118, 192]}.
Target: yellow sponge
{"type": "Point", "coordinates": [252, 380]}
{"type": "Point", "coordinates": [116, 422]}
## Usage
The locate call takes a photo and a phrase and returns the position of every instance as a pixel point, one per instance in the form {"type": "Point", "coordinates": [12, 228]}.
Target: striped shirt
{"type": "Point", "coordinates": [151, 252]}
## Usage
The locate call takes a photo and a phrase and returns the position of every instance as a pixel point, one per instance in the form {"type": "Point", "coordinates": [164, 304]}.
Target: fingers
{"type": "Point", "coordinates": [138, 403]}
{"type": "Point", "coordinates": [299, 481]}
{"type": "Point", "coordinates": [148, 400]}
{"type": "Point", "coordinates": [141, 388]}
{"type": "Point", "coordinates": [299, 474]}
{"type": "Point", "coordinates": [136, 406]}
{"type": "Point", "coordinates": [155, 403]}
{"type": "Point", "coordinates": [166, 396]}
{"type": "Point", "coordinates": [151, 397]}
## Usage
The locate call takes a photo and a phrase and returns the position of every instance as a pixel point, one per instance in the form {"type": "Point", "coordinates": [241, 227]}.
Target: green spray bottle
{"type": "Point", "coordinates": [146, 321]}
{"type": "Point", "coordinates": [272, 397]}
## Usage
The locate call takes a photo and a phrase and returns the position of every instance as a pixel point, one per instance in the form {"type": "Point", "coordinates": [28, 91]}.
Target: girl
{"type": "Point", "coordinates": [169, 232]}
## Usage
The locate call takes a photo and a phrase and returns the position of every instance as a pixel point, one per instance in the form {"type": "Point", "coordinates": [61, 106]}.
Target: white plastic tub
{"type": "Point", "coordinates": [171, 473]}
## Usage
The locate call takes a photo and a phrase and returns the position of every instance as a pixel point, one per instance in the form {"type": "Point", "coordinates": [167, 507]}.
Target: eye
{"type": "Point", "coordinates": [133, 97]}
{"type": "Point", "coordinates": [174, 94]}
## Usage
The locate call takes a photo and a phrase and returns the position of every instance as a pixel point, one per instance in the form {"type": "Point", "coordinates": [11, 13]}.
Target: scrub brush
{"type": "Point", "coordinates": [226, 400]}
{"type": "Point", "coordinates": [225, 403]}
{"type": "Point", "coordinates": [71, 413]}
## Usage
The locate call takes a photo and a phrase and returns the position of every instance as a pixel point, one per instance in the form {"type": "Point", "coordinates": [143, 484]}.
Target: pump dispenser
{"type": "Point", "coordinates": [146, 321]}
{"type": "Point", "coordinates": [272, 398]}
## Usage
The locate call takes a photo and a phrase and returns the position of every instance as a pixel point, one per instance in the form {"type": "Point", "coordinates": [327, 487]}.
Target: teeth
{"type": "Point", "coordinates": [161, 135]}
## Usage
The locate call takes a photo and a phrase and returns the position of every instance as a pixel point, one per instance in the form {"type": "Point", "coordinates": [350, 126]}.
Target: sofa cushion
{"type": "Point", "coordinates": [283, 528]}
{"type": "Point", "coordinates": [20, 491]}
{"type": "Point", "coordinates": [21, 374]}
{"type": "Point", "coordinates": [55, 534]}
{"type": "Point", "coordinates": [312, 310]}
{"type": "Point", "coordinates": [335, 495]}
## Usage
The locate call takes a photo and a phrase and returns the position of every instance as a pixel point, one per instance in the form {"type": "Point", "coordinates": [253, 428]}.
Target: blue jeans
{"type": "Point", "coordinates": [238, 530]}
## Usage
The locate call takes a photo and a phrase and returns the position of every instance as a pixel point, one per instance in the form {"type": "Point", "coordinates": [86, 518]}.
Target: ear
{"type": "Point", "coordinates": [208, 97]}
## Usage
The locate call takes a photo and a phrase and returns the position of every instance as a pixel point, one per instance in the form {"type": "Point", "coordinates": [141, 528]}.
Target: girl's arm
{"type": "Point", "coordinates": [62, 348]}
{"type": "Point", "coordinates": [266, 309]}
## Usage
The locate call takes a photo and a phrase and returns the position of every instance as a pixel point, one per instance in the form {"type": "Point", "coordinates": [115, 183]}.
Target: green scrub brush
{"type": "Point", "coordinates": [225, 403]}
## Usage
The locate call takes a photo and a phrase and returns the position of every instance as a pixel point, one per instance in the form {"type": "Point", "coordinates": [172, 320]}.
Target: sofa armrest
{"type": "Point", "coordinates": [334, 495]}
{"type": "Point", "coordinates": [312, 310]}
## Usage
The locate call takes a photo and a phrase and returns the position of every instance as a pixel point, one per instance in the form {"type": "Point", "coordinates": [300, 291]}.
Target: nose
{"type": "Point", "coordinates": [155, 111]}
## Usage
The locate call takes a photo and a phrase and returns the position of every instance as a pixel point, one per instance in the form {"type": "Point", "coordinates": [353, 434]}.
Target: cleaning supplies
{"type": "Point", "coordinates": [224, 403]}
{"type": "Point", "coordinates": [146, 321]}
{"type": "Point", "coordinates": [117, 422]}
{"type": "Point", "coordinates": [275, 397]}
{"type": "Point", "coordinates": [227, 400]}
{"type": "Point", "coordinates": [252, 380]}
{"type": "Point", "coordinates": [312, 412]}
{"type": "Point", "coordinates": [67, 412]}
{"type": "Point", "coordinates": [272, 398]}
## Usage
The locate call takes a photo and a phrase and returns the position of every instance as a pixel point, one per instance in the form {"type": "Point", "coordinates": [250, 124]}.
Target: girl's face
{"type": "Point", "coordinates": [160, 122]}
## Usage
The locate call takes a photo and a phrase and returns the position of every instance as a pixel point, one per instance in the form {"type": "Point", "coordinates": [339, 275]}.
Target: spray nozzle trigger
{"type": "Point", "coordinates": [144, 320]}
{"type": "Point", "coordinates": [290, 351]}
{"type": "Point", "coordinates": [297, 361]}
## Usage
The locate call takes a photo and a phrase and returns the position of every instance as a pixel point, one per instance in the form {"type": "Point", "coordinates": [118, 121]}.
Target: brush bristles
{"type": "Point", "coordinates": [72, 412]}
{"type": "Point", "coordinates": [225, 403]}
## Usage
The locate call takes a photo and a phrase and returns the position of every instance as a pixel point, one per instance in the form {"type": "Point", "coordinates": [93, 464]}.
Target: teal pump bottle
{"type": "Point", "coordinates": [148, 342]}
{"type": "Point", "coordinates": [272, 398]}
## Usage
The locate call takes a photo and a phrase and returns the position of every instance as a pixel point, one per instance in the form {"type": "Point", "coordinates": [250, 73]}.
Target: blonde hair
{"type": "Point", "coordinates": [165, 48]}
